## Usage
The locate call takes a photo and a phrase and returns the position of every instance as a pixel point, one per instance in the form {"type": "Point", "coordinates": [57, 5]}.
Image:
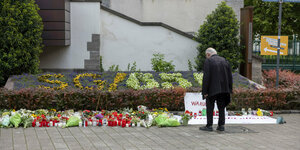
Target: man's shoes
{"type": "Point", "coordinates": [206, 128]}
{"type": "Point", "coordinates": [221, 128]}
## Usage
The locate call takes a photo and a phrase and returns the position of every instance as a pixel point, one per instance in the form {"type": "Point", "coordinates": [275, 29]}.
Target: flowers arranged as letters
{"type": "Point", "coordinates": [137, 81]}
{"type": "Point", "coordinates": [174, 77]}
{"type": "Point", "coordinates": [45, 78]}
{"type": "Point", "coordinates": [77, 83]}
{"type": "Point", "coordinates": [119, 77]}
{"type": "Point", "coordinates": [112, 81]}
{"type": "Point", "coordinates": [147, 79]}
{"type": "Point", "coordinates": [198, 77]}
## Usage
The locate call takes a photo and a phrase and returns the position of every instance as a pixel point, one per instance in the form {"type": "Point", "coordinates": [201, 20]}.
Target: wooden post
{"type": "Point", "coordinates": [246, 41]}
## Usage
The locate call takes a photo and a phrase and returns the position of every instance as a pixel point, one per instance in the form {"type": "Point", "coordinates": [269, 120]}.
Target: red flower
{"type": "Point", "coordinates": [58, 115]}
{"type": "Point", "coordinates": [187, 112]}
{"type": "Point", "coordinates": [33, 124]}
{"type": "Point", "coordinates": [86, 111]}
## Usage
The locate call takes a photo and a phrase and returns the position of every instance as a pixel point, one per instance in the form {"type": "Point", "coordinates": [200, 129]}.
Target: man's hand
{"type": "Point", "coordinates": [205, 96]}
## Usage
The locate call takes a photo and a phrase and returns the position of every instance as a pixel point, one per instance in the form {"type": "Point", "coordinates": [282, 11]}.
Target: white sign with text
{"type": "Point", "coordinates": [235, 120]}
{"type": "Point", "coordinates": [194, 102]}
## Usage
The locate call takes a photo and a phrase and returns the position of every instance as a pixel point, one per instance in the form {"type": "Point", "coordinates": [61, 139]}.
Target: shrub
{"type": "Point", "coordinates": [160, 65]}
{"type": "Point", "coordinates": [20, 38]}
{"type": "Point", "coordinates": [172, 99]}
{"type": "Point", "coordinates": [220, 31]}
{"type": "Point", "coordinates": [190, 65]}
{"type": "Point", "coordinates": [287, 79]}
{"type": "Point", "coordinates": [269, 99]}
{"type": "Point", "coordinates": [27, 98]}
{"type": "Point", "coordinates": [114, 68]}
{"type": "Point", "coordinates": [133, 67]}
{"type": "Point", "coordinates": [101, 69]}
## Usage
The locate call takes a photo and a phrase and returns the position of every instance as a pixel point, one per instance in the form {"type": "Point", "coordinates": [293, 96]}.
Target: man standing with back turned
{"type": "Point", "coordinates": [217, 86]}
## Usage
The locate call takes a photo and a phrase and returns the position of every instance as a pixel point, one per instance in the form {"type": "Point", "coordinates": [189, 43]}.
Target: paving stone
{"type": "Point", "coordinates": [75, 148]}
{"type": "Point", "coordinates": [48, 148]}
{"type": "Point", "coordinates": [70, 140]}
{"type": "Point", "coordinates": [34, 148]}
{"type": "Point", "coordinates": [131, 148]}
{"type": "Point", "coordinates": [7, 148]}
{"type": "Point", "coordinates": [245, 136]}
{"type": "Point", "coordinates": [60, 145]}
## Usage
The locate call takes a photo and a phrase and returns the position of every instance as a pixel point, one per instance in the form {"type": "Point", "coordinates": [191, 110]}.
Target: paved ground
{"type": "Point", "coordinates": [286, 136]}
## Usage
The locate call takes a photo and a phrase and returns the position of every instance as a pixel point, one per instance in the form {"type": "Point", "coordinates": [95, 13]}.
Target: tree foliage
{"type": "Point", "coordinates": [20, 38]}
{"type": "Point", "coordinates": [220, 31]}
{"type": "Point", "coordinates": [265, 19]}
{"type": "Point", "coordinates": [160, 65]}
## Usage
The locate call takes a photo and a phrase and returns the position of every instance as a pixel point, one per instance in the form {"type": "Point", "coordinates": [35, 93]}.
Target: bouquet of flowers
{"type": "Point", "coordinates": [186, 117]}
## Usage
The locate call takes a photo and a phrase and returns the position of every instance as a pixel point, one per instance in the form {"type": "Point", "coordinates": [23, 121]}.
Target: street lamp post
{"type": "Point", "coordinates": [278, 43]}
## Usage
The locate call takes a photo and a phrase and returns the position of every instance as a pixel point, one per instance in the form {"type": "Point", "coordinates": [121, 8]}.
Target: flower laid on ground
{"type": "Point", "coordinates": [124, 118]}
{"type": "Point", "coordinates": [68, 118]}
{"type": "Point", "coordinates": [187, 115]}
{"type": "Point", "coordinates": [99, 116]}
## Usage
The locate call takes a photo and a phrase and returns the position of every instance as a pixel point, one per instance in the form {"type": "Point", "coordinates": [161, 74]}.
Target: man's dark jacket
{"type": "Point", "coordinates": [217, 77]}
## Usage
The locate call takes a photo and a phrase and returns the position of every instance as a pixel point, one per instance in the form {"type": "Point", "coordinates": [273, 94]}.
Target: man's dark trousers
{"type": "Point", "coordinates": [210, 103]}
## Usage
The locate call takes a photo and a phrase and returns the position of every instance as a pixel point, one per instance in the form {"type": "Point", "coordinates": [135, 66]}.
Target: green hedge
{"type": "Point", "coordinates": [172, 99]}
{"type": "Point", "coordinates": [269, 99]}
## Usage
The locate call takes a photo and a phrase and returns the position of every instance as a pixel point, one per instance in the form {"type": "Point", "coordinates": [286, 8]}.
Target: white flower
{"type": "Point", "coordinates": [135, 79]}
{"type": "Point", "coordinates": [174, 77]}
{"type": "Point", "coordinates": [199, 78]}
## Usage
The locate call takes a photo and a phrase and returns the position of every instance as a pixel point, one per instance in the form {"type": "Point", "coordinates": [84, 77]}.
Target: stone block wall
{"type": "Point", "coordinates": [257, 68]}
{"type": "Point", "coordinates": [94, 48]}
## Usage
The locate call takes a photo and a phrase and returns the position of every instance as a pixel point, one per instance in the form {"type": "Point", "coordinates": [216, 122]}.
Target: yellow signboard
{"type": "Point", "coordinates": [268, 45]}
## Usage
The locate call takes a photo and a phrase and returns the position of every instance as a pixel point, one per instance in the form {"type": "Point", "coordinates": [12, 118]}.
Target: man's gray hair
{"type": "Point", "coordinates": [211, 51]}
